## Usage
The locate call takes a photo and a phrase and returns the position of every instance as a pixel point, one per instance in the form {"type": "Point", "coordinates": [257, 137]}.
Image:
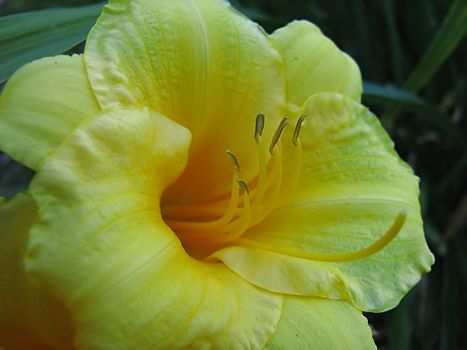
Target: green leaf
{"type": "Point", "coordinates": [398, 59]}
{"type": "Point", "coordinates": [400, 99]}
{"type": "Point", "coordinates": [376, 93]}
{"type": "Point", "coordinates": [399, 324]}
{"type": "Point", "coordinates": [251, 12]}
{"type": "Point", "coordinates": [450, 302]}
{"type": "Point", "coordinates": [28, 36]}
{"type": "Point", "coordinates": [449, 35]}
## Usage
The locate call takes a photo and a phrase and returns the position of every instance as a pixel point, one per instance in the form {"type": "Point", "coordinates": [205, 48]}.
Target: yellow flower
{"type": "Point", "coordinates": [149, 235]}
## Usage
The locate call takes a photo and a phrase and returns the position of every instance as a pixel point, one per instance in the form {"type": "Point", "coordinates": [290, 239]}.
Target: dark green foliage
{"type": "Point", "coordinates": [413, 58]}
{"type": "Point", "coordinates": [28, 36]}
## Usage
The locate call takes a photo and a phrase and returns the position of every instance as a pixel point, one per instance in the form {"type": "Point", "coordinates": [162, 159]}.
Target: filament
{"type": "Point", "coordinates": [225, 219]}
{"type": "Point", "coordinates": [298, 158]}
{"type": "Point", "coordinates": [261, 188]}
{"type": "Point", "coordinates": [271, 202]}
{"type": "Point", "coordinates": [245, 219]}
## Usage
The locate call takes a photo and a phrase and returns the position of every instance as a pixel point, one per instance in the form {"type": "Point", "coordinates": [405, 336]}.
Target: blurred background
{"type": "Point", "coordinates": [413, 57]}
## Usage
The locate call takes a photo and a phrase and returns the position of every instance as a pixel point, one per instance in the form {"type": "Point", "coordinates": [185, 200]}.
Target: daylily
{"type": "Point", "coordinates": [201, 184]}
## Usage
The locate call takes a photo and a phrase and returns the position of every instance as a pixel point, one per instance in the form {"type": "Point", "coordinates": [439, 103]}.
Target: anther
{"type": "Point", "coordinates": [259, 126]}
{"type": "Point", "coordinates": [234, 160]}
{"type": "Point", "coordinates": [278, 134]}
{"type": "Point", "coordinates": [243, 186]}
{"type": "Point", "coordinates": [296, 132]}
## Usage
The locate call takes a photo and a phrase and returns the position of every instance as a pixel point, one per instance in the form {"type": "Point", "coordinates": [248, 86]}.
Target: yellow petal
{"type": "Point", "coordinates": [103, 247]}
{"type": "Point", "coordinates": [30, 317]}
{"type": "Point", "coordinates": [351, 188]}
{"type": "Point", "coordinates": [41, 104]}
{"type": "Point", "coordinates": [314, 64]}
{"type": "Point", "coordinates": [199, 63]}
{"type": "Point", "coordinates": [312, 323]}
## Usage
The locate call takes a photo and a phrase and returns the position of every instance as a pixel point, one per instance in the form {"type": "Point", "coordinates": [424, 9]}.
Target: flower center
{"type": "Point", "coordinates": [207, 227]}
{"type": "Point", "coordinates": [250, 201]}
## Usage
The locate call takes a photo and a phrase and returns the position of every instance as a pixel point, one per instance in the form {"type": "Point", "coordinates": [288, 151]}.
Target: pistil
{"type": "Point", "coordinates": [383, 241]}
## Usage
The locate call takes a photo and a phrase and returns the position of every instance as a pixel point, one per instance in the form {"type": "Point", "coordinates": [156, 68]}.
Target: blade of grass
{"type": "Point", "coordinates": [357, 13]}
{"type": "Point", "coordinates": [450, 305]}
{"type": "Point", "coordinates": [253, 13]}
{"type": "Point", "coordinates": [376, 93]}
{"type": "Point", "coordinates": [400, 100]}
{"type": "Point", "coordinates": [28, 36]}
{"type": "Point", "coordinates": [399, 325]}
{"type": "Point", "coordinates": [398, 60]}
{"type": "Point", "coordinates": [449, 35]}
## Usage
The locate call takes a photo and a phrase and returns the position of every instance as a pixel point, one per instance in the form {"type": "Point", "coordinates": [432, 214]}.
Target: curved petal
{"type": "Point", "coordinates": [30, 317]}
{"type": "Point", "coordinates": [312, 323]}
{"type": "Point", "coordinates": [199, 63]}
{"type": "Point", "coordinates": [103, 247]}
{"type": "Point", "coordinates": [352, 186]}
{"type": "Point", "coordinates": [41, 104]}
{"type": "Point", "coordinates": [314, 64]}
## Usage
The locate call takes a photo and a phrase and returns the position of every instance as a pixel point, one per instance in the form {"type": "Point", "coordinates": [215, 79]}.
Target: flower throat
{"type": "Point", "coordinates": [250, 202]}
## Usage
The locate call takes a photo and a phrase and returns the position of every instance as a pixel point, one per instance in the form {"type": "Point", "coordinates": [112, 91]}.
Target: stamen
{"type": "Point", "coordinates": [259, 126]}
{"type": "Point", "coordinates": [243, 186]}
{"type": "Point", "coordinates": [296, 132]}
{"type": "Point", "coordinates": [233, 234]}
{"type": "Point", "coordinates": [234, 160]}
{"type": "Point", "coordinates": [262, 209]}
{"type": "Point", "coordinates": [236, 219]}
{"type": "Point", "coordinates": [388, 236]}
{"type": "Point", "coordinates": [293, 173]}
{"type": "Point", "coordinates": [261, 187]}
{"type": "Point", "coordinates": [278, 134]}
{"type": "Point", "coordinates": [272, 199]}
{"type": "Point", "coordinates": [193, 228]}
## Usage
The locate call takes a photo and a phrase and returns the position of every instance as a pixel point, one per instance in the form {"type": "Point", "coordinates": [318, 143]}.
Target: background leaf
{"type": "Point", "coordinates": [449, 35]}
{"type": "Point", "coordinates": [377, 93]}
{"type": "Point", "coordinates": [29, 36]}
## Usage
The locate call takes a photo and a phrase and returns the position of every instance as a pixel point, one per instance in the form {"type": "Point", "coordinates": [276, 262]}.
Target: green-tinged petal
{"type": "Point", "coordinates": [103, 247]}
{"type": "Point", "coordinates": [351, 188]}
{"type": "Point", "coordinates": [314, 64]}
{"type": "Point", "coordinates": [30, 317]}
{"type": "Point", "coordinates": [314, 324]}
{"type": "Point", "coordinates": [199, 63]}
{"type": "Point", "coordinates": [41, 104]}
